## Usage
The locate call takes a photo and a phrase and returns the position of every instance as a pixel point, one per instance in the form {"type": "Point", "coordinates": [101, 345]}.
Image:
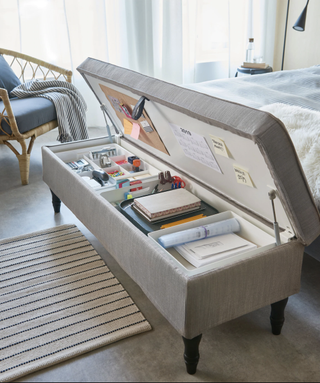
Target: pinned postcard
{"type": "Point", "coordinates": [146, 126]}
{"type": "Point", "coordinates": [115, 103]}
{"type": "Point", "coordinates": [219, 146]}
{"type": "Point", "coordinates": [135, 131]}
{"type": "Point", "coordinates": [127, 126]}
{"type": "Point", "coordinates": [243, 177]}
{"type": "Point", "coordinates": [195, 146]}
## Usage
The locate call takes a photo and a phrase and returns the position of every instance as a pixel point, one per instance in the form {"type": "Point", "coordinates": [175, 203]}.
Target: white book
{"type": "Point", "coordinates": [208, 250]}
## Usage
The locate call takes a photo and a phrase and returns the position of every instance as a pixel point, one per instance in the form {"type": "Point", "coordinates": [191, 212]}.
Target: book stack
{"type": "Point", "coordinates": [254, 65]}
{"type": "Point", "coordinates": [166, 204]}
{"type": "Point", "coordinates": [208, 250]}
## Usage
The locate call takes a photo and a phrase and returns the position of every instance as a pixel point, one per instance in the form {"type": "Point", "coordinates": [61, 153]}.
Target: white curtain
{"type": "Point", "coordinates": [179, 41]}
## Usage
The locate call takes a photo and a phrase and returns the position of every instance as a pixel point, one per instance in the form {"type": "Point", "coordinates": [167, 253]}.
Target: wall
{"type": "Point", "coordinates": [302, 48]}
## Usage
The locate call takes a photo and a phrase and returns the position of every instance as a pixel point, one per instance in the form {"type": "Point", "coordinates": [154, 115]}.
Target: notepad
{"type": "Point", "coordinates": [208, 250]}
{"type": "Point", "coordinates": [167, 204]}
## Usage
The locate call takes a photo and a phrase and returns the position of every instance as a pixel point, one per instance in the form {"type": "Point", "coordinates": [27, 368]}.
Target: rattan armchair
{"type": "Point", "coordinates": [26, 68]}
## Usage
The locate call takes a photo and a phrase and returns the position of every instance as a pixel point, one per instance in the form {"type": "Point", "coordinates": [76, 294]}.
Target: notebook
{"type": "Point", "coordinates": [166, 204]}
{"type": "Point", "coordinates": [208, 250]}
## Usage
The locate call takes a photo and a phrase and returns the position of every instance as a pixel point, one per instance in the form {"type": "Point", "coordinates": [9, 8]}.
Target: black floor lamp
{"type": "Point", "coordinates": [299, 26]}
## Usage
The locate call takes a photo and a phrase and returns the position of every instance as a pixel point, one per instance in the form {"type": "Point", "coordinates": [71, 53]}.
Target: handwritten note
{"type": "Point", "coordinates": [135, 131]}
{"type": "Point", "coordinates": [195, 146]}
{"type": "Point", "coordinates": [242, 176]}
{"type": "Point", "coordinates": [219, 146]}
{"type": "Point", "coordinates": [127, 126]}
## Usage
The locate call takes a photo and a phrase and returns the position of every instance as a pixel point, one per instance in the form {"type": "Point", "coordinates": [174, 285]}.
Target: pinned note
{"type": "Point", "coordinates": [243, 177]}
{"type": "Point", "coordinates": [135, 131]}
{"type": "Point", "coordinates": [219, 146]}
{"type": "Point", "coordinates": [127, 126]}
{"type": "Point", "coordinates": [115, 103]}
{"type": "Point", "coordinates": [146, 126]}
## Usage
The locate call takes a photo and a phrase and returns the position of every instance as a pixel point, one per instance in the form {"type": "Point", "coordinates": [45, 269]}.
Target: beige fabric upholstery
{"type": "Point", "coordinates": [193, 304]}
{"type": "Point", "coordinates": [190, 304]}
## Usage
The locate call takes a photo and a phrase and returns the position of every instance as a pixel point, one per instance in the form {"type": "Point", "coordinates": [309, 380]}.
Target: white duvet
{"type": "Point", "coordinates": [303, 126]}
{"type": "Point", "coordinates": [293, 96]}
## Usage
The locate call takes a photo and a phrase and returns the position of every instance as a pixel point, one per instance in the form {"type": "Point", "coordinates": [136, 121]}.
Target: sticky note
{"type": "Point", "coordinates": [135, 131]}
{"type": "Point", "coordinates": [219, 146]}
{"type": "Point", "coordinates": [242, 176]}
{"type": "Point", "coordinates": [127, 126]}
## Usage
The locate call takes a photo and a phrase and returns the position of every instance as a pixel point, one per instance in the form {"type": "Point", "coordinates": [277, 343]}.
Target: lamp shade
{"type": "Point", "coordinates": [300, 23]}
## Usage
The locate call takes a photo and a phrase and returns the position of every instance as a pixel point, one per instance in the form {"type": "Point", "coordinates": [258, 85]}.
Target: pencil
{"type": "Point", "coordinates": [182, 221]}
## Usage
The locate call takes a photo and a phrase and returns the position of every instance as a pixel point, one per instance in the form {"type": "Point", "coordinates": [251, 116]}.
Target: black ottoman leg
{"type": "Point", "coordinates": [56, 202]}
{"type": "Point", "coordinates": [277, 316]}
{"type": "Point", "coordinates": [191, 353]}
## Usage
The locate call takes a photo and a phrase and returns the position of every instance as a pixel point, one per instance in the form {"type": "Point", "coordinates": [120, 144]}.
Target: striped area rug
{"type": "Point", "coordinates": [58, 299]}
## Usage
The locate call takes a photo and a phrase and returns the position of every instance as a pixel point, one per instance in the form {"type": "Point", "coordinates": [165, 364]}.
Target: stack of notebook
{"type": "Point", "coordinates": [208, 250]}
{"type": "Point", "coordinates": [167, 204]}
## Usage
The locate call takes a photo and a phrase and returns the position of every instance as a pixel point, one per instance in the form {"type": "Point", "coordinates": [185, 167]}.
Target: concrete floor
{"type": "Point", "coordinates": [241, 350]}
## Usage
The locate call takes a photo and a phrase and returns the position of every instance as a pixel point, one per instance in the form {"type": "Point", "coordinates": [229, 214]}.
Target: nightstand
{"type": "Point", "coordinates": [252, 71]}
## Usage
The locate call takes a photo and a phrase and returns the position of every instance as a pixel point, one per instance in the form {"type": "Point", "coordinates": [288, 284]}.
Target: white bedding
{"type": "Point", "coordinates": [303, 126]}
{"type": "Point", "coordinates": [299, 87]}
{"type": "Point", "coordinates": [293, 96]}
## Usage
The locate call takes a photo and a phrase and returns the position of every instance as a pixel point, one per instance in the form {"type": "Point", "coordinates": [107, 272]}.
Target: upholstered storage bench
{"type": "Point", "coordinates": [258, 180]}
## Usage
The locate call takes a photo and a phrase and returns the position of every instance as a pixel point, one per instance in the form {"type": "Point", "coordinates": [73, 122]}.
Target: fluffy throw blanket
{"type": "Point", "coordinates": [69, 103]}
{"type": "Point", "coordinates": [303, 126]}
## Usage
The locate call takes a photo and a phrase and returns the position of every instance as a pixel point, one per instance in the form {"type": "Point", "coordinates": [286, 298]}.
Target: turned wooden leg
{"type": "Point", "coordinates": [277, 316]}
{"type": "Point", "coordinates": [56, 202]}
{"type": "Point", "coordinates": [191, 353]}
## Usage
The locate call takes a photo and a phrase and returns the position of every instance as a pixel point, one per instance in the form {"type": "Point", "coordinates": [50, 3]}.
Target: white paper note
{"type": "Point", "coordinates": [195, 146]}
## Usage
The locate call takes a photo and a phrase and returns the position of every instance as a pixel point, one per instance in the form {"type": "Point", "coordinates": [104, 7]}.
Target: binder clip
{"type": "Point", "coordinates": [165, 178]}
{"type": "Point", "coordinates": [138, 109]}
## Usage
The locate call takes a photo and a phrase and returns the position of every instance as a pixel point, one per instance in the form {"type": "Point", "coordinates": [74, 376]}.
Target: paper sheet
{"type": "Point", "coordinates": [195, 146]}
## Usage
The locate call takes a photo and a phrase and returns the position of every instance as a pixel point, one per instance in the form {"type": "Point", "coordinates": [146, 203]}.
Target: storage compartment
{"type": "Point", "coordinates": [236, 159]}
{"type": "Point", "coordinates": [247, 231]}
{"type": "Point", "coordinates": [192, 299]}
{"type": "Point", "coordinates": [118, 197]}
{"type": "Point", "coordinates": [92, 155]}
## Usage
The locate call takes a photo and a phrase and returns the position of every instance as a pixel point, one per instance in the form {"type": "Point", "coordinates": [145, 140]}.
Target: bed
{"type": "Point", "coordinates": [293, 96]}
